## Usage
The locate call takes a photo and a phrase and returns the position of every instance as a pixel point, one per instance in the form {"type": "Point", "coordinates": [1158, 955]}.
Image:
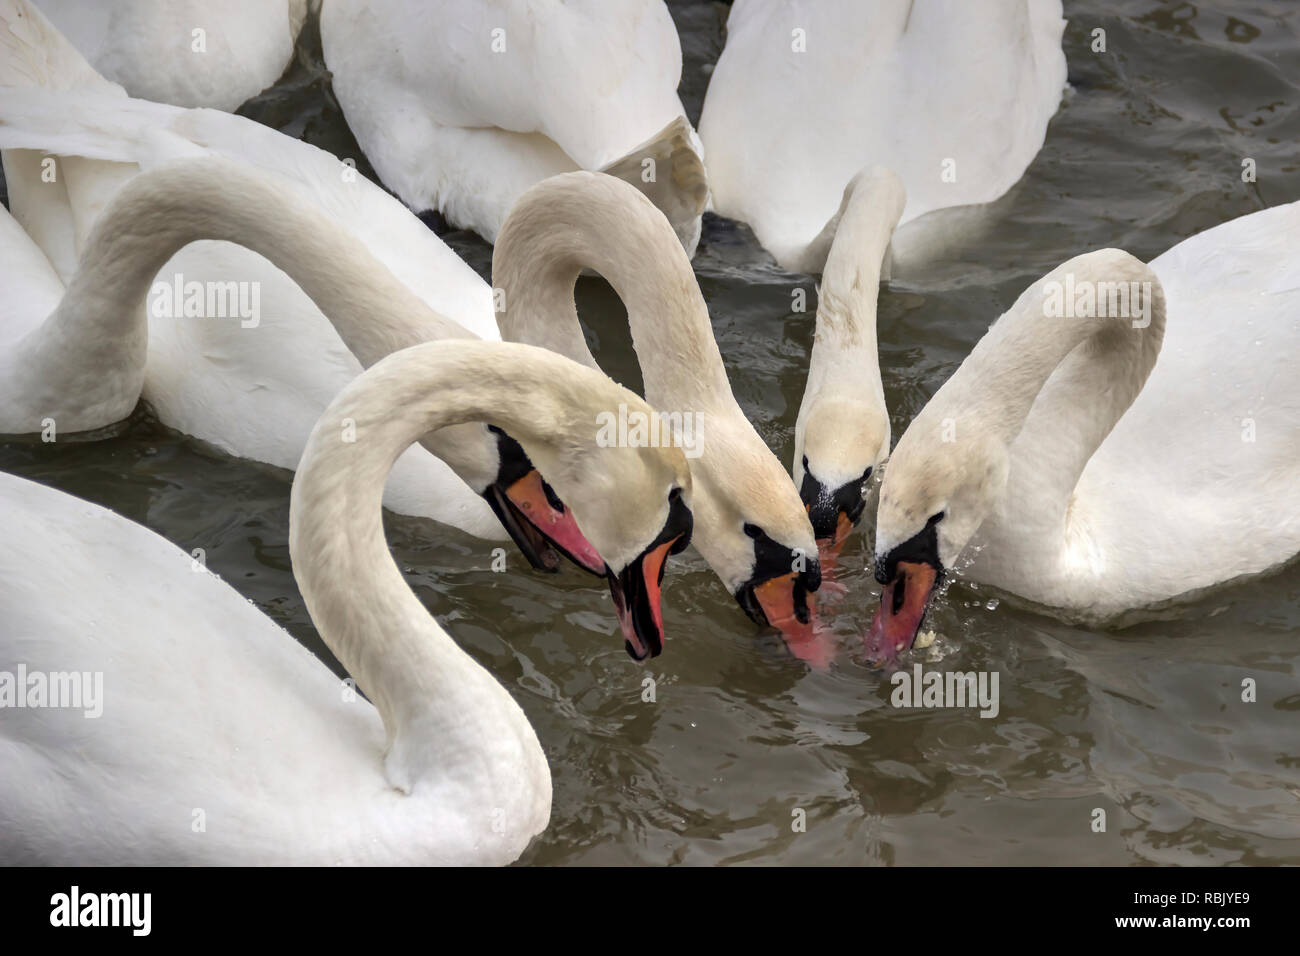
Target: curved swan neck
{"type": "Point", "coordinates": [90, 353]}
{"type": "Point", "coordinates": [591, 221]}
{"type": "Point", "coordinates": [163, 210]}
{"type": "Point", "coordinates": [433, 699]}
{"type": "Point", "coordinates": [1007, 373]}
{"type": "Point", "coordinates": [1052, 386]}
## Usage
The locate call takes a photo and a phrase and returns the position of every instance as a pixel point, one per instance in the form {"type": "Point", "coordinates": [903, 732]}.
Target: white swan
{"type": "Point", "coordinates": [954, 97]}
{"type": "Point", "coordinates": [842, 432]}
{"type": "Point", "coordinates": [186, 52]}
{"type": "Point", "coordinates": [461, 105]}
{"type": "Point", "coordinates": [1082, 465]}
{"type": "Point", "coordinates": [751, 526]}
{"type": "Point", "coordinates": [211, 712]}
{"type": "Point", "coordinates": [219, 380]}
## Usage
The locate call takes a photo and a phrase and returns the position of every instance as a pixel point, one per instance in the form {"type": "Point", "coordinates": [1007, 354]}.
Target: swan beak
{"type": "Point", "coordinates": [833, 513]}
{"type": "Point", "coordinates": [638, 589]}
{"type": "Point", "coordinates": [829, 548]}
{"type": "Point", "coordinates": [782, 600]}
{"type": "Point", "coordinates": [638, 599]}
{"type": "Point", "coordinates": [541, 526]}
{"type": "Point", "coordinates": [903, 604]}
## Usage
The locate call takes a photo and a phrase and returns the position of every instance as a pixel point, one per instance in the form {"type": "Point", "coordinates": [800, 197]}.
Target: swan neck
{"type": "Point", "coordinates": [424, 687]}
{"type": "Point", "coordinates": [592, 221]}
{"type": "Point", "coordinates": [161, 211]}
{"type": "Point", "coordinates": [846, 305]}
{"type": "Point", "coordinates": [1052, 387]}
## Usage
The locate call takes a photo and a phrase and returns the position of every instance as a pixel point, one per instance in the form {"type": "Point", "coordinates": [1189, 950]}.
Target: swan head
{"type": "Point", "coordinates": [633, 505]}
{"type": "Point", "coordinates": [839, 444]}
{"type": "Point", "coordinates": [935, 495]}
{"type": "Point", "coordinates": [528, 508]}
{"type": "Point", "coordinates": [755, 533]}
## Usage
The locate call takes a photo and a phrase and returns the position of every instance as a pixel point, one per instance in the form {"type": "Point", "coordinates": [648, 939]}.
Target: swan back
{"type": "Point", "coordinates": [955, 98]}
{"type": "Point", "coordinates": [185, 52]}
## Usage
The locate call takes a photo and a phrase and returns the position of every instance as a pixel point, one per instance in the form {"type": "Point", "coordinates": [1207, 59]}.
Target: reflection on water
{"type": "Point", "coordinates": [747, 755]}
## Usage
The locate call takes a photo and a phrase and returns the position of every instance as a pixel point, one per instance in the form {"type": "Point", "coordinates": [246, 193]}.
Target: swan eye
{"type": "Point", "coordinates": [753, 530]}
{"type": "Point", "coordinates": [805, 463]}
{"type": "Point", "coordinates": [866, 475]}
{"type": "Point", "coordinates": [674, 494]}
{"type": "Point", "coordinates": [935, 519]}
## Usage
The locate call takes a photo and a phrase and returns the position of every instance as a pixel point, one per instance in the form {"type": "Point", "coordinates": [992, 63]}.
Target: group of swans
{"type": "Point", "coordinates": [221, 739]}
{"type": "Point", "coordinates": [333, 234]}
{"type": "Point", "coordinates": [462, 105]}
{"type": "Point", "coordinates": [1093, 462]}
{"type": "Point", "coordinates": [1139, 449]}
{"type": "Point", "coordinates": [750, 531]}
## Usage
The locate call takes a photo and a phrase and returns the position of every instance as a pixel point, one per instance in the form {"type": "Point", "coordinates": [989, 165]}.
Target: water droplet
{"type": "Point", "coordinates": [992, 605]}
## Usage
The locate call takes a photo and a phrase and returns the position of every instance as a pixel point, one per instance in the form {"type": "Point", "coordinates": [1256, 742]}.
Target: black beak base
{"type": "Point", "coordinates": [825, 506]}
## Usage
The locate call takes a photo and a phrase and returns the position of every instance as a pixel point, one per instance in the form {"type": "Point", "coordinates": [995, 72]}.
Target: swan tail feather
{"type": "Point", "coordinates": [669, 169]}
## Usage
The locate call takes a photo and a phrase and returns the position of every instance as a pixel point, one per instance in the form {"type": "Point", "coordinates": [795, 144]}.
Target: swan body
{"type": "Point", "coordinates": [1102, 465]}
{"type": "Point", "coordinates": [185, 52]}
{"type": "Point", "coordinates": [220, 739]}
{"type": "Point", "coordinates": [752, 528]}
{"type": "Point", "coordinates": [955, 98]}
{"type": "Point", "coordinates": [461, 106]}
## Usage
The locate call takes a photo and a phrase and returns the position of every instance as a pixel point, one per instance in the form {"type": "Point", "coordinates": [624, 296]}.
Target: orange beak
{"type": "Point", "coordinates": [828, 549]}
{"type": "Point", "coordinates": [793, 612]}
{"type": "Point", "coordinates": [554, 522]}
{"type": "Point", "coordinates": [638, 600]}
{"type": "Point", "coordinates": [903, 604]}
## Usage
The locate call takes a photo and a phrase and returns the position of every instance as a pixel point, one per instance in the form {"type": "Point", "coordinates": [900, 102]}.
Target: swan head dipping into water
{"type": "Point", "coordinates": [994, 457]}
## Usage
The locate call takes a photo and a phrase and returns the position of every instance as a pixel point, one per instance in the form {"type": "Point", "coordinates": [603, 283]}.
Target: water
{"type": "Point", "coordinates": [1146, 723]}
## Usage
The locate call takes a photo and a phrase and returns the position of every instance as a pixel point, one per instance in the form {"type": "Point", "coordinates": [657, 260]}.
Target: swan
{"type": "Point", "coordinates": [752, 528]}
{"type": "Point", "coordinates": [183, 51]}
{"type": "Point", "coordinates": [842, 431]}
{"type": "Point", "coordinates": [220, 739]}
{"type": "Point", "coordinates": [1102, 465]}
{"type": "Point", "coordinates": [955, 98]}
{"type": "Point", "coordinates": [461, 105]}
{"type": "Point", "coordinates": [217, 380]}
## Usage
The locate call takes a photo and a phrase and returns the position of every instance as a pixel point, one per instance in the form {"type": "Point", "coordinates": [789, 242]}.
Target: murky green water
{"type": "Point", "coordinates": [1146, 723]}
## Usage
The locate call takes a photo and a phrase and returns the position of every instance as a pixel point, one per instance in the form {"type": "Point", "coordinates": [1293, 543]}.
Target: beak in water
{"type": "Point", "coordinates": [538, 522]}
{"type": "Point", "coordinates": [776, 594]}
{"type": "Point", "coordinates": [903, 604]}
{"type": "Point", "coordinates": [833, 512]}
{"type": "Point", "coordinates": [637, 589]}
